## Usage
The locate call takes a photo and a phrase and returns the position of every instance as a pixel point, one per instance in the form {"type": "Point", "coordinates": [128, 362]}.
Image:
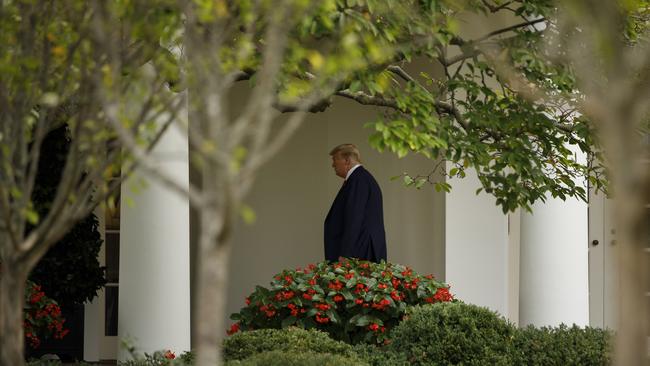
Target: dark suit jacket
{"type": "Point", "coordinates": [354, 226]}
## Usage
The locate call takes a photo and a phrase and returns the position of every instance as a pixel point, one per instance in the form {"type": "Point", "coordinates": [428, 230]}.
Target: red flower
{"type": "Point", "coordinates": [170, 355]}
{"type": "Point", "coordinates": [382, 286]}
{"type": "Point", "coordinates": [312, 266]}
{"type": "Point", "coordinates": [395, 296]}
{"type": "Point", "coordinates": [270, 313]}
{"type": "Point", "coordinates": [373, 327]}
{"type": "Point", "coordinates": [442, 294]}
{"type": "Point", "coordinates": [322, 320]}
{"type": "Point", "coordinates": [338, 298]}
{"type": "Point", "coordinates": [36, 296]}
{"type": "Point", "coordinates": [306, 296]}
{"type": "Point", "coordinates": [359, 301]}
{"type": "Point", "coordinates": [248, 301]}
{"type": "Point", "coordinates": [429, 277]}
{"type": "Point", "coordinates": [381, 304]}
{"type": "Point", "coordinates": [288, 280]}
{"type": "Point", "coordinates": [349, 275]}
{"type": "Point", "coordinates": [312, 281]}
{"type": "Point", "coordinates": [407, 272]}
{"type": "Point", "coordinates": [396, 283]}
{"type": "Point", "coordinates": [336, 285]}
{"type": "Point", "coordinates": [322, 307]}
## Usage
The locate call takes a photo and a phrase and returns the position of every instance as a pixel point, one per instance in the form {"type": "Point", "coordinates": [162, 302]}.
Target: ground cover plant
{"type": "Point", "coordinates": [353, 301]}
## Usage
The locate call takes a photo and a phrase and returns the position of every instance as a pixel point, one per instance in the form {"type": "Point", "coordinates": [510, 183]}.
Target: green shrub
{"type": "Point", "coordinates": [281, 358]}
{"type": "Point", "coordinates": [354, 301]}
{"type": "Point", "coordinates": [454, 333]}
{"type": "Point", "coordinates": [379, 356]}
{"type": "Point", "coordinates": [243, 345]}
{"type": "Point", "coordinates": [563, 346]}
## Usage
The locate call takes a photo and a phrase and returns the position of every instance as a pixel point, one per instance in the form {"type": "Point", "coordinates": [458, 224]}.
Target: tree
{"type": "Point", "coordinates": [49, 64]}
{"type": "Point", "coordinates": [69, 272]}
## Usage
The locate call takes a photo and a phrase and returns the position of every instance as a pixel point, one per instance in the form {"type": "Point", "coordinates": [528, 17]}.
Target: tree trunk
{"type": "Point", "coordinates": [214, 257]}
{"type": "Point", "coordinates": [12, 301]}
{"type": "Point", "coordinates": [633, 332]}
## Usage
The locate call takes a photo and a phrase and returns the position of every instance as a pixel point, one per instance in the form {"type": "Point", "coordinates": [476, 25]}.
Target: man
{"type": "Point", "coordinates": [354, 226]}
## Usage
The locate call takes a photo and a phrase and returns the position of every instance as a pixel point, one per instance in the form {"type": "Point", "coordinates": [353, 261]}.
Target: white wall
{"type": "Point", "coordinates": [477, 253]}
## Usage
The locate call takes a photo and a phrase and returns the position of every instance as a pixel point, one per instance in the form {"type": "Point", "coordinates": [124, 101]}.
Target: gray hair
{"type": "Point", "coordinates": [348, 151]}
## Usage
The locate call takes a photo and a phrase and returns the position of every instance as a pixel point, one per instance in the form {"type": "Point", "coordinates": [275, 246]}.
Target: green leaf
{"type": "Point", "coordinates": [247, 214]}
{"type": "Point", "coordinates": [288, 321]}
{"type": "Point", "coordinates": [31, 216]}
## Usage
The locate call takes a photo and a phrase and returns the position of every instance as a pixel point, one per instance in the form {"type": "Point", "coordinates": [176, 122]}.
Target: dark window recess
{"type": "Point", "coordinates": [113, 257]}
{"type": "Point", "coordinates": [110, 325]}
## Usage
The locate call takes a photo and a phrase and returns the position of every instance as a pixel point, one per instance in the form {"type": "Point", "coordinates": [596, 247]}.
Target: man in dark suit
{"type": "Point", "coordinates": [354, 226]}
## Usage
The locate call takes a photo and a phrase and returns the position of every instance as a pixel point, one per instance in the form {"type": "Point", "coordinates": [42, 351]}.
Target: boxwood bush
{"type": "Point", "coordinates": [563, 346]}
{"type": "Point", "coordinates": [243, 345]}
{"type": "Point", "coordinates": [379, 356]}
{"type": "Point", "coordinates": [454, 333]}
{"type": "Point", "coordinates": [354, 301]}
{"type": "Point", "coordinates": [281, 358]}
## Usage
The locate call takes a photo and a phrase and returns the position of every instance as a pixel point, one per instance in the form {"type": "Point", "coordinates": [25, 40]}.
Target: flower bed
{"type": "Point", "coordinates": [354, 301]}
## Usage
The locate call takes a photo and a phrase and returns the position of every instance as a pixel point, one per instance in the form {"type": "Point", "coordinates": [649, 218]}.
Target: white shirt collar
{"type": "Point", "coordinates": [351, 170]}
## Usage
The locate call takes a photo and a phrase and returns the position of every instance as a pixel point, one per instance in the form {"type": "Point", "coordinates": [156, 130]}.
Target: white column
{"type": "Point", "coordinates": [554, 283]}
{"type": "Point", "coordinates": [476, 258]}
{"type": "Point", "coordinates": [154, 287]}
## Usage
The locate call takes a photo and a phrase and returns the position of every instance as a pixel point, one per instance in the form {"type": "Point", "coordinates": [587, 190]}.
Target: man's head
{"type": "Point", "coordinates": [344, 157]}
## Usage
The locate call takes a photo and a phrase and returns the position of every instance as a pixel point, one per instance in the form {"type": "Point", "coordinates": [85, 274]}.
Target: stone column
{"type": "Point", "coordinates": [154, 281]}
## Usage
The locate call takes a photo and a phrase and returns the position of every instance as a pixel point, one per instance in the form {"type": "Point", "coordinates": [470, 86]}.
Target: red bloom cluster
{"type": "Point", "coordinates": [233, 329]}
{"type": "Point", "coordinates": [322, 307]}
{"type": "Point", "coordinates": [269, 310]}
{"type": "Point", "coordinates": [381, 305]}
{"type": "Point", "coordinates": [322, 319]}
{"type": "Point", "coordinates": [349, 300]}
{"type": "Point", "coordinates": [374, 327]}
{"type": "Point", "coordinates": [308, 295]}
{"type": "Point", "coordinates": [170, 355]}
{"type": "Point", "coordinates": [295, 310]}
{"type": "Point", "coordinates": [442, 294]}
{"type": "Point", "coordinates": [336, 285]}
{"type": "Point", "coordinates": [360, 287]}
{"type": "Point", "coordinates": [43, 317]}
{"type": "Point", "coordinates": [284, 295]}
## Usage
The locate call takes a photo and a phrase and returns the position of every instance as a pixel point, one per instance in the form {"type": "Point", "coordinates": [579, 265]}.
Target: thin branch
{"type": "Point", "coordinates": [510, 28]}
{"type": "Point", "coordinates": [366, 99]}
{"type": "Point", "coordinates": [496, 8]}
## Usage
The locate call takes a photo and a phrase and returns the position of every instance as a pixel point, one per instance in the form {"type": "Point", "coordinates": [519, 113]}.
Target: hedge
{"type": "Point", "coordinates": [454, 333]}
